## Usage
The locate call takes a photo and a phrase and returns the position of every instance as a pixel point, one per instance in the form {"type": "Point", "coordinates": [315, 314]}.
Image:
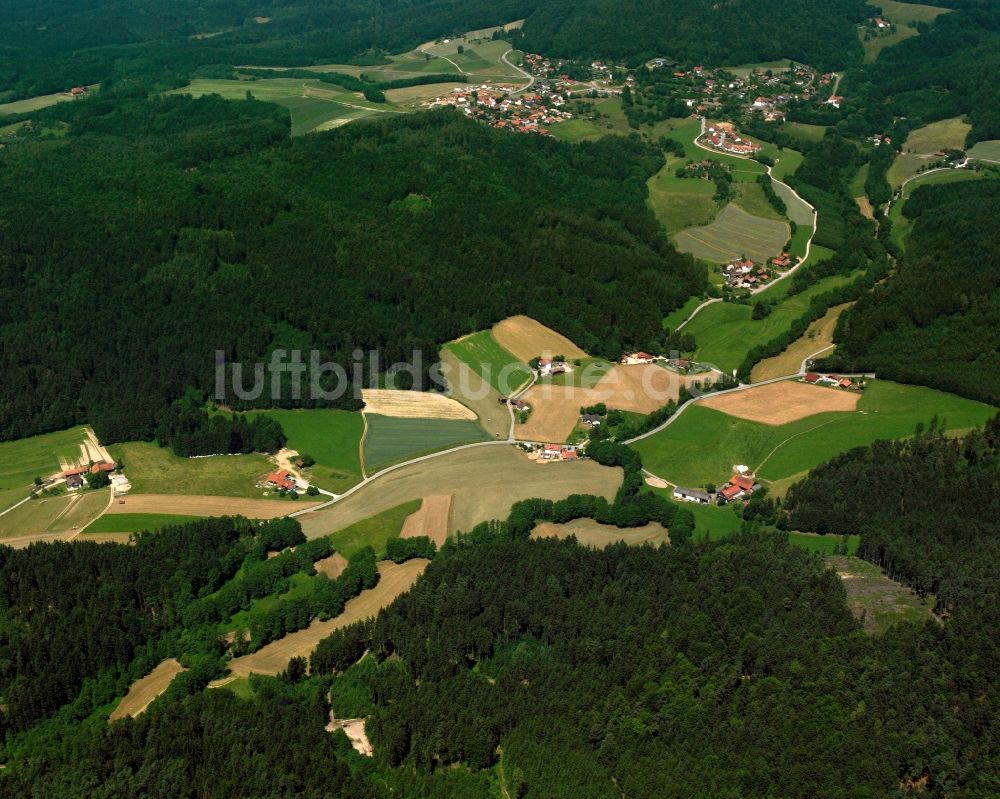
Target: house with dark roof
{"type": "Point", "coordinates": [691, 495]}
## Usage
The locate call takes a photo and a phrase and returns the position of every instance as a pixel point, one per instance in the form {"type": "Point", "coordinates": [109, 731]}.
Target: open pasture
{"type": "Point", "coordinates": [394, 579]}
{"type": "Point", "coordinates": [331, 437]}
{"type": "Point", "coordinates": [23, 460]}
{"type": "Point", "coordinates": [591, 534]}
{"type": "Point", "coordinates": [702, 445]}
{"type": "Point", "coordinates": [902, 13]}
{"type": "Point", "coordinates": [176, 505]}
{"type": "Point", "coordinates": [40, 102]}
{"type": "Point", "coordinates": [680, 203]}
{"type": "Point", "coordinates": [922, 145]}
{"type": "Point", "coordinates": [372, 531]}
{"type": "Point", "coordinates": [143, 691]}
{"type": "Point", "coordinates": [733, 234]}
{"type": "Point", "coordinates": [484, 483]}
{"type": "Point", "coordinates": [431, 520]}
{"type": "Point", "coordinates": [784, 402]}
{"type": "Point", "coordinates": [390, 439]}
{"type": "Point", "coordinates": [818, 337]}
{"type": "Point", "coordinates": [489, 359]}
{"type": "Point", "coordinates": [525, 339]}
{"type": "Point", "coordinates": [53, 517]}
{"type": "Point", "coordinates": [986, 150]}
{"type": "Point", "coordinates": [804, 131]}
{"type": "Point", "coordinates": [876, 44]}
{"type": "Point", "coordinates": [413, 404]}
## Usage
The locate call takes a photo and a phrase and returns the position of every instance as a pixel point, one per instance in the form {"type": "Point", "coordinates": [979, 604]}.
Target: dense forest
{"type": "Point", "coordinates": [159, 232]}
{"type": "Point", "coordinates": [692, 31]}
{"type": "Point", "coordinates": [931, 322]}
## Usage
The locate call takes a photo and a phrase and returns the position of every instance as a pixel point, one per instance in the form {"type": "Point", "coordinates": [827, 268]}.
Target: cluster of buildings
{"type": "Point", "coordinates": [498, 107]}
{"type": "Point", "coordinates": [548, 367]}
{"type": "Point", "coordinates": [280, 480]}
{"type": "Point", "coordinates": [558, 452]}
{"type": "Point", "coordinates": [740, 486]}
{"type": "Point", "coordinates": [75, 477]}
{"type": "Point", "coordinates": [744, 274]}
{"type": "Point", "coordinates": [835, 381]}
{"type": "Point", "coordinates": [723, 136]}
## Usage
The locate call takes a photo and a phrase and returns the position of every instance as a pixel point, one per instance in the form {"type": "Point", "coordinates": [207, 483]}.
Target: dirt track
{"type": "Point", "coordinates": [208, 506]}
{"type": "Point", "coordinates": [394, 579]}
{"type": "Point", "coordinates": [524, 338]}
{"type": "Point", "coordinates": [146, 689]}
{"type": "Point", "coordinates": [780, 403]}
{"type": "Point", "coordinates": [431, 520]}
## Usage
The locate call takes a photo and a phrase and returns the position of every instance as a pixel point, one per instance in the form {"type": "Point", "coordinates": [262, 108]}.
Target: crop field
{"type": "Point", "coordinates": [901, 13]}
{"type": "Point", "coordinates": [390, 439]}
{"type": "Point", "coordinates": [525, 339]}
{"type": "Point", "coordinates": [486, 357]}
{"type": "Point", "coordinates": [875, 599]}
{"type": "Point", "coordinates": [431, 520]}
{"type": "Point", "coordinates": [750, 198]}
{"type": "Point", "coordinates": [394, 579]}
{"type": "Point", "coordinates": [784, 402]}
{"type": "Point", "coordinates": [484, 483]}
{"type": "Point", "coordinates": [920, 148]}
{"type": "Point", "coordinates": [733, 234]}
{"type": "Point", "coordinates": [54, 516]}
{"type": "Point", "coordinates": [178, 505]}
{"type": "Point", "coordinates": [703, 444]}
{"type": "Point", "coordinates": [23, 460]}
{"type": "Point", "coordinates": [725, 331]}
{"type": "Point", "coordinates": [415, 95]}
{"type": "Point", "coordinates": [986, 150]}
{"type": "Point", "coordinates": [145, 690]}
{"type": "Point", "coordinates": [413, 404]}
{"type": "Point", "coordinates": [469, 388]}
{"type": "Point", "coordinates": [156, 470]}
{"type": "Point", "coordinates": [331, 437]}
{"type": "Point", "coordinates": [798, 210]}
{"type": "Point", "coordinates": [591, 534]}
{"type": "Point", "coordinates": [136, 522]}
{"type": "Point", "coordinates": [374, 531]}
{"type": "Point", "coordinates": [818, 336]}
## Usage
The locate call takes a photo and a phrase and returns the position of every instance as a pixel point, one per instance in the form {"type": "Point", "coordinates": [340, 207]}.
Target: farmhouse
{"type": "Point", "coordinates": [569, 454]}
{"type": "Point", "coordinates": [782, 261]}
{"type": "Point", "coordinates": [547, 366]}
{"type": "Point", "coordinates": [78, 91]}
{"type": "Point", "coordinates": [281, 479]}
{"type": "Point", "coordinates": [731, 492]}
{"type": "Point", "coordinates": [691, 495]}
{"type": "Point", "coordinates": [679, 363]}
{"type": "Point", "coordinates": [590, 419]}
{"type": "Point", "coordinates": [102, 466]}
{"type": "Point", "coordinates": [811, 377]}
{"type": "Point", "coordinates": [550, 451]}
{"type": "Point", "coordinates": [519, 405]}
{"type": "Point", "coordinates": [73, 482]}
{"type": "Point", "coordinates": [634, 358]}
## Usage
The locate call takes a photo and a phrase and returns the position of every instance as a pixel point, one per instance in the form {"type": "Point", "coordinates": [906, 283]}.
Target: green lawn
{"type": "Point", "coordinates": [485, 357]}
{"type": "Point", "coordinates": [703, 444]}
{"type": "Point", "coordinates": [751, 198]}
{"type": "Point", "coordinates": [374, 531]}
{"type": "Point", "coordinates": [391, 439]}
{"type": "Point", "coordinates": [23, 460]}
{"type": "Point", "coordinates": [136, 522]}
{"type": "Point", "coordinates": [152, 469]}
{"type": "Point", "coordinates": [986, 150]}
{"type": "Point", "coordinates": [332, 437]}
{"type": "Point", "coordinates": [680, 203]}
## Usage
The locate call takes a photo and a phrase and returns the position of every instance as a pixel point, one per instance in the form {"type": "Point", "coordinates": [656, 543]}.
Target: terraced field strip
{"type": "Point", "coordinates": [525, 339]}
{"type": "Point", "coordinates": [394, 579]}
{"type": "Point", "coordinates": [146, 689]}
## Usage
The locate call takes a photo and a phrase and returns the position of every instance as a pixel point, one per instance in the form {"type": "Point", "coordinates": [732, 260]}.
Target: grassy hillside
{"type": "Point", "coordinates": [331, 437]}
{"type": "Point", "coordinates": [38, 456]}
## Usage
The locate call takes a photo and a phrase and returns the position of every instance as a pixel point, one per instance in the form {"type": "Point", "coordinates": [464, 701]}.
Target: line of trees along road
{"type": "Point", "coordinates": [205, 228]}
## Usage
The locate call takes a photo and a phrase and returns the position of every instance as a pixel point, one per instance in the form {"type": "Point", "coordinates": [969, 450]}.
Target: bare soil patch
{"type": "Point", "coordinates": [657, 482]}
{"type": "Point", "coordinates": [331, 566]}
{"type": "Point", "coordinates": [431, 520]}
{"type": "Point", "coordinates": [413, 404]}
{"type": "Point", "coordinates": [354, 729]}
{"type": "Point", "coordinates": [865, 206]}
{"type": "Point", "coordinates": [780, 403]}
{"type": "Point", "coordinates": [208, 506]}
{"type": "Point", "coordinates": [146, 689]}
{"type": "Point", "coordinates": [524, 338]}
{"type": "Point", "coordinates": [394, 579]}
{"type": "Point", "coordinates": [591, 534]}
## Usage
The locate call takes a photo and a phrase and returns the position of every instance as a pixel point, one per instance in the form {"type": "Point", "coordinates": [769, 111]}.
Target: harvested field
{"type": "Point", "coordinates": [208, 506]}
{"type": "Point", "coordinates": [394, 579]}
{"type": "Point", "coordinates": [641, 389]}
{"type": "Point", "coordinates": [145, 690]}
{"type": "Point", "coordinates": [62, 515]}
{"type": "Point", "coordinates": [431, 520]}
{"type": "Point", "coordinates": [331, 566]}
{"type": "Point", "coordinates": [818, 335]}
{"type": "Point", "coordinates": [733, 234]}
{"type": "Point", "coordinates": [781, 403]}
{"type": "Point", "coordinates": [591, 534]}
{"type": "Point", "coordinates": [477, 394]}
{"type": "Point", "coordinates": [484, 482]}
{"type": "Point", "coordinates": [413, 404]}
{"type": "Point", "coordinates": [525, 339]}
{"type": "Point", "coordinates": [865, 206]}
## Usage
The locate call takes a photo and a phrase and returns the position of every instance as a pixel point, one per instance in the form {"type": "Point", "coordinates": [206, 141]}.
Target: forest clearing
{"type": "Point", "coordinates": [784, 402]}
{"type": "Point", "coordinates": [146, 689]}
{"type": "Point", "coordinates": [592, 534]}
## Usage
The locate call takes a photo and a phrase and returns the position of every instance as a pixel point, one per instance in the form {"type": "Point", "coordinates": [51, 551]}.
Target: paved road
{"type": "Point", "coordinates": [531, 78]}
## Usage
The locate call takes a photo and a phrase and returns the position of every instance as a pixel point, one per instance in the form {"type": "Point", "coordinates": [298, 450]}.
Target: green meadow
{"type": "Point", "coordinates": [703, 444]}
{"type": "Point", "coordinates": [733, 234]}
{"type": "Point", "coordinates": [23, 460]}
{"type": "Point", "coordinates": [481, 353]}
{"type": "Point", "coordinates": [331, 437]}
{"type": "Point", "coordinates": [375, 531]}
{"type": "Point", "coordinates": [391, 439]}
